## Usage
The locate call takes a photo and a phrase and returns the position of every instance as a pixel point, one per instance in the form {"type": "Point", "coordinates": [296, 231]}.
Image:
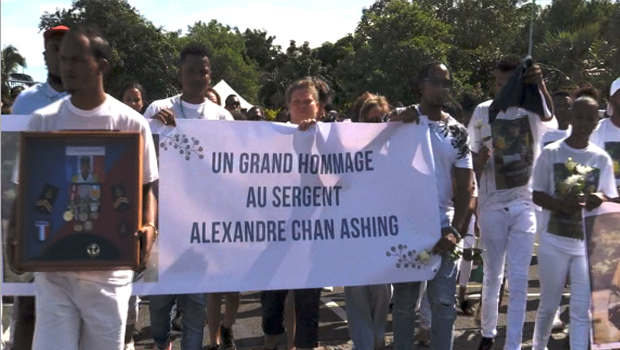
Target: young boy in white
{"type": "Point", "coordinates": [505, 153]}
{"type": "Point", "coordinates": [562, 248]}
{"type": "Point", "coordinates": [562, 103]}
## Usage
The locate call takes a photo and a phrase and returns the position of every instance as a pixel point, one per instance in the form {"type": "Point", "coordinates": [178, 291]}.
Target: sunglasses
{"type": "Point", "coordinates": [436, 82]}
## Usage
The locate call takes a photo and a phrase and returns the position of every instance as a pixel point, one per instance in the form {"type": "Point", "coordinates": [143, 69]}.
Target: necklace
{"type": "Point", "coordinates": [202, 112]}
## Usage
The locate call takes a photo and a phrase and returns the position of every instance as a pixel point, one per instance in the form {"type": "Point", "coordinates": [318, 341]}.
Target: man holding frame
{"type": "Point", "coordinates": [88, 309]}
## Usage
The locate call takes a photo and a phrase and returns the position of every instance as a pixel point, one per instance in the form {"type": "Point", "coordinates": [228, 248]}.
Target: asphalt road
{"type": "Point", "coordinates": [333, 332]}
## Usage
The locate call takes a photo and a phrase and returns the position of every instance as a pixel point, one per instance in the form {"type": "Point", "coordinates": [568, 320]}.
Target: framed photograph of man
{"type": "Point", "coordinates": [80, 201]}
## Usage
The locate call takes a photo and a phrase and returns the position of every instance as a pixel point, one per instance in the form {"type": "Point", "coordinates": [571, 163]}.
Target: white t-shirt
{"type": "Point", "coordinates": [449, 142]}
{"type": "Point", "coordinates": [555, 135]}
{"type": "Point", "coordinates": [181, 109]}
{"type": "Point", "coordinates": [563, 231]}
{"type": "Point", "coordinates": [110, 115]}
{"type": "Point", "coordinates": [35, 97]}
{"type": "Point", "coordinates": [607, 137]}
{"type": "Point", "coordinates": [514, 140]}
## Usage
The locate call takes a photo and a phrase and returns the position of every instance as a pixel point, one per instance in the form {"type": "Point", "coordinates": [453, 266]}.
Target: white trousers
{"type": "Point", "coordinates": [74, 314]}
{"type": "Point", "coordinates": [553, 265]}
{"type": "Point", "coordinates": [465, 266]}
{"type": "Point", "coordinates": [507, 235]}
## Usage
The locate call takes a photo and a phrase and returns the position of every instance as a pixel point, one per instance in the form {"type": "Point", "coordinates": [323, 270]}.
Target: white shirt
{"type": "Point", "coordinates": [607, 137]}
{"type": "Point", "coordinates": [514, 140]}
{"type": "Point", "coordinates": [561, 230]}
{"type": "Point", "coordinates": [449, 143]}
{"type": "Point", "coordinates": [181, 109]}
{"type": "Point", "coordinates": [35, 97]}
{"type": "Point", "coordinates": [555, 135]}
{"type": "Point", "coordinates": [110, 115]}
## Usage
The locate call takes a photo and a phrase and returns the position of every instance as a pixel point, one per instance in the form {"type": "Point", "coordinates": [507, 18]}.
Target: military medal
{"type": "Point", "coordinates": [83, 216]}
{"type": "Point", "coordinates": [95, 192]}
{"type": "Point", "coordinates": [88, 225]}
{"type": "Point", "coordinates": [78, 228]}
{"type": "Point", "coordinates": [68, 216]}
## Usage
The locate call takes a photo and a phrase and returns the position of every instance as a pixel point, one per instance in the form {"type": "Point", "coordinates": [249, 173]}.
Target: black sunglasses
{"type": "Point", "coordinates": [436, 82]}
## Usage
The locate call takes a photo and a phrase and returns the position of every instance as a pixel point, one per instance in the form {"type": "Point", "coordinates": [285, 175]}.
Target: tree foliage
{"type": "Point", "coordinates": [577, 41]}
{"type": "Point", "coordinates": [11, 61]}
{"type": "Point", "coordinates": [141, 51]}
{"type": "Point", "coordinates": [580, 44]}
{"type": "Point", "coordinates": [228, 56]}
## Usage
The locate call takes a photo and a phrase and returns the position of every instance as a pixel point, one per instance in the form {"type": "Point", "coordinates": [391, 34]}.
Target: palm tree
{"type": "Point", "coordinates": [575, 55]}
{"type": "Point", "coordinates": [11, 61]}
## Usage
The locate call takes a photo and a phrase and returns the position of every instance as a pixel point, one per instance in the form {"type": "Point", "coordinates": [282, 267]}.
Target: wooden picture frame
{"type": "Point", "coordinates": [80, 201]}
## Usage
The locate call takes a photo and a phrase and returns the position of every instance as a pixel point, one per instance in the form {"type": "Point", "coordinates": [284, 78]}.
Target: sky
{"type": "Point", "coordinates": [314, 21]}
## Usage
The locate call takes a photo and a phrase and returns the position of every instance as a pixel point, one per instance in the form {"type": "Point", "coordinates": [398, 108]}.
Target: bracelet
{"type": "Point", "coordinates": [155, 232]}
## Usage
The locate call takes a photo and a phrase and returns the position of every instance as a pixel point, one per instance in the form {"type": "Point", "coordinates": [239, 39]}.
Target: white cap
{"type": "Point", "coordinates": [615, 86]}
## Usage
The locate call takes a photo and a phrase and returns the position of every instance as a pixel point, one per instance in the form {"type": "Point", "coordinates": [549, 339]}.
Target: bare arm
{"type": "Point", "coordinates": [548, 202]}
{"type": "Point", "coordinates": [149, 215]}
{"type": "Point", "coordinates": [543, 89]}
{"type": "Point", "coordinates": [464, 179]}
{"type": "Point", "coordinates": [480, 160]}
{"type": "Point", "coordinates": [462, 198]}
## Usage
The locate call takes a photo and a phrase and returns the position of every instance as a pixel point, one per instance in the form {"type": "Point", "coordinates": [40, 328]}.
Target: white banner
{"type": "Point", "coordinates": [257, 206]}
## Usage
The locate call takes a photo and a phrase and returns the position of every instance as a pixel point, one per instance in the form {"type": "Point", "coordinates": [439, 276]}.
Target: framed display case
{"type": "Point", "coordinates": [80, 201]}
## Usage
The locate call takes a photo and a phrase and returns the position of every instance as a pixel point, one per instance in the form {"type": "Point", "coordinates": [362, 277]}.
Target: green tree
{"type": "Point", "coordinates": [141, 51]}
{"type": "Point", "coordinates": [575, 57]}
{"type": "Point", "coordinates": [11, 61]}
{"type": "Point", "coordinates": [296, 63]}
{"type": "Point", "coordinates": [578, 41]}
{"type": "Point", "coordinates": [612, 29]}
{"type": "Point", "coordinates": [392, 41]}
{"type": "Point", "coordinates": [565, 15]}
{"type": "Point", "coordinates": [228, 55]}
{"type": "Point", "coordinates": [330, 55]}
{"type": "Point", "coordinates": [260, 47]}
{"type": "Point", "coordinates": [482, 32]}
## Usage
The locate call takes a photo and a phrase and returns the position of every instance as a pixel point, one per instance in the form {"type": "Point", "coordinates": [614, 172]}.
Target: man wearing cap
{"type": "Point", "coordinates": [41, 95]}
{"type": "Point", "coordinates": [607, 134]}
{"type": "Point", "coordinates": [29, 100]}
